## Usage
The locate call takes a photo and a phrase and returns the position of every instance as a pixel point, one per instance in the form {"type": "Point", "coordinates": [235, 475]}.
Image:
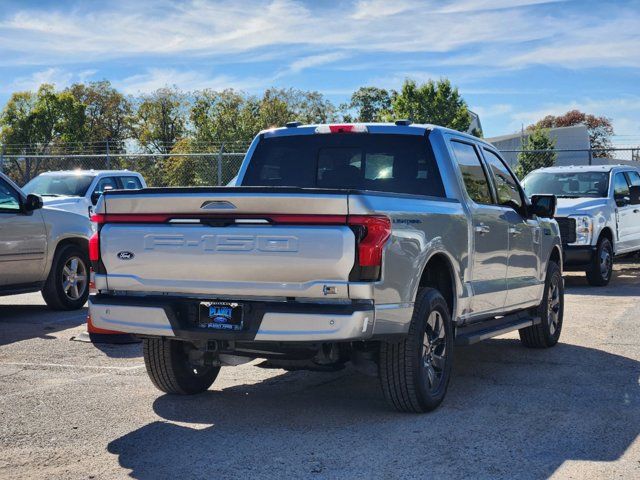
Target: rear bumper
{"type": "Point", "coordinates": [577, 257]}
{"type": "Point", "coordinates": [264, 321]}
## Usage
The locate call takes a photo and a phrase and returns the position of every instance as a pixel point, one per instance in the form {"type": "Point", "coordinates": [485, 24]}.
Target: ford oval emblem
{"type": "Point", "coordinates": [125, 255]}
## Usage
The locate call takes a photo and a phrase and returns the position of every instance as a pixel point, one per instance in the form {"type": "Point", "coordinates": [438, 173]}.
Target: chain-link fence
{"type": "Point", "coordinates": [159, 170]}
{"type": "Point", "coordinates": [217, 165]}
{"type": "Point", "coordinates": [566, 157]}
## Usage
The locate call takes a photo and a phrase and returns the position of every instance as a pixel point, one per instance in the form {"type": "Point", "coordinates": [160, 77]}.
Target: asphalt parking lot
{"type": "Point", "coordinates": [71, 410]}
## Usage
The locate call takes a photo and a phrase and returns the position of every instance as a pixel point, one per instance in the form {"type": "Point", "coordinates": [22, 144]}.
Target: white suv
{"type": "Point", "coordinates": [78, 190]}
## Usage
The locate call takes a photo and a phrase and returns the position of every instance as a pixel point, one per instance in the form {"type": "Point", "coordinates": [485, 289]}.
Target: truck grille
{"type": "Point", "coordinates": [567, 229]}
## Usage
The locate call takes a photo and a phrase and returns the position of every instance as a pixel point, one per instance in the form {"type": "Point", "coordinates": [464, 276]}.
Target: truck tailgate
{"type": "Point", "coordinates": [223, 242]}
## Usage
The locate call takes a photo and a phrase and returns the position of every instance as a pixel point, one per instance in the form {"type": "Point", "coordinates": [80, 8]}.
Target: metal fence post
{"type": "Point", "coordinates": [590, 156]}
{"type": "Point", "coordinates": [108, 157]}
{"type": "Point", "coordinates": [219, 177]}
{"type": "Point", "coordinates": [1, 158]}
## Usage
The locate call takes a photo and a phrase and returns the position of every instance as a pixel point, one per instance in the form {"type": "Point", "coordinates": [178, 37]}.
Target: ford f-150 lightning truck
{"type": "Point", "coordinates": [379, 244]}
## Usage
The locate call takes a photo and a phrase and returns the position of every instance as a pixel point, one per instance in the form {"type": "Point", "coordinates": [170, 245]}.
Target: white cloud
{"type": "Point", "coordinates": [188, 80]}
{"type": "Point", "coordinates": [501, 33]}
{"type": "Point", "coordinates": [315, 61]}
{"type": "Point", "coordinates": [56, 76]}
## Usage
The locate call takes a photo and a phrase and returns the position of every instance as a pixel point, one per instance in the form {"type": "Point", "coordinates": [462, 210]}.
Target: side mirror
{"type": "Point", "coordinates": [33, 202]}
{"type": "Point", "coordinates": [95, 196]}
{"type": "Point", "coordinates": [543, 205]}
{"type": "Point", "coordinates": [634, 194]}
{"type": "Point", "coordinates": [622, 200]}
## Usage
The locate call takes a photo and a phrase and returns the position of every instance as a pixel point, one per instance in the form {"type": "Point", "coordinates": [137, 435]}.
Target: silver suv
{"type": "Point", "coordinates": [42, 249]}
{"type": "Point", "coordinates": [379, 244]}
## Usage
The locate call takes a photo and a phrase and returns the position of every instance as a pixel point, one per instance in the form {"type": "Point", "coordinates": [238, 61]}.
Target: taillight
{"type": "Point", "coordinates": [94, 247]}
{"type": "Point", "coordinates": [377, 232]}
{"type": "Point", "coordinates": [372, 232]}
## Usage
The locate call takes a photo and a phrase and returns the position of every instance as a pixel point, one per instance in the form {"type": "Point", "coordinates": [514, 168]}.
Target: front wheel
{"type": "Point", "coordinates": [170, 369]}
{"type": "Point", "coordinates": [414, 373]}
{"type": "Point", "coordinates": [601, 269]}
{"type": "Point", "coordinates": [551, 311]}
{"type": "Point", "coordinates": [67, 287]}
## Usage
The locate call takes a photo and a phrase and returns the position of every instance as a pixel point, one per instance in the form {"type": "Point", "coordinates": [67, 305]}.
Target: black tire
{"type": "Point", "coordinates": [601, 269]}
{"type": "Point", "coordinates": [169, 369]}
{"type": "Point", "coordinates": [56, 291]}
{"type": "Point", "coordinates": [551, 311]}
{"type": "Point", "coordinates": [410, 378]}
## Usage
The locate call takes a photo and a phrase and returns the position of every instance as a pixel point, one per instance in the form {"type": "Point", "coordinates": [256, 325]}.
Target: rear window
{"type": "Point", "coordinates": [378, 162]}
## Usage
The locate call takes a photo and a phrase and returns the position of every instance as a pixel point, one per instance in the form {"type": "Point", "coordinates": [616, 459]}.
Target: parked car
{"type": "Point", "coordinates": [377, 243]}
{"type": "Point", "coordinates": [78, 190]}
{"type": "Point", "coordinates": [42, 249]}
{"type": "Point", "coordinates": [598, 214]}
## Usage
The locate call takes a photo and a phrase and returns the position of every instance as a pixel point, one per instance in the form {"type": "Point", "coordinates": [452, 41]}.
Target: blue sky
{"type": "Point", "coordinates": [513, 60]}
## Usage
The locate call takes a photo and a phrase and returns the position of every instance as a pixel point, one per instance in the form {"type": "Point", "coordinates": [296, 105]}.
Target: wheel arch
{"type": "Point", "coordinates": [81, 242]}
{"type": "Point", "coordinates": [439, 273]}
{"type": "Point", "coordinates": [608, 233]}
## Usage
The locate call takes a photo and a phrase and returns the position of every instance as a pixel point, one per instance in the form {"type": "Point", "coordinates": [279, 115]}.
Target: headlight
{"type": "Point", "coordinates": [584, 228]}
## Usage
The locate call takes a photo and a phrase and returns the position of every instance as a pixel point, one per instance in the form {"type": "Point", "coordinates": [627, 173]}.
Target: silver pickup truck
{"type": "Point", "coordinates": [379, 244]}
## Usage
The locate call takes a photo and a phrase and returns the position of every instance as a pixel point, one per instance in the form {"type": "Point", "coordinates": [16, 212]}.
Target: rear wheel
{"type": "Point", "coordinates": [414, 373]}
{"type": "Point", "coordinates": [170, 369]}
{"type": "Point", "coordinates": [551, 311]}
{"type": "Point", "coordinates": [601, 269]}
{"type": "Point", "coordinates": [67, 287]}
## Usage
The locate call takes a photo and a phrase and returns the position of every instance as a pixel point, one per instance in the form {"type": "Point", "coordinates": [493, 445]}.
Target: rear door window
{"type": "Point", "coordinates": [377, 162]}
{"type": "Point", "coordinates": [634, 178]}
{"type": "Point", "coordinates": [475, 178]}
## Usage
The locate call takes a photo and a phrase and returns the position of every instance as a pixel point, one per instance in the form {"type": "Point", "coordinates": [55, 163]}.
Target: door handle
{"type": "Point", "coordinates": [482, 229]}
{"type": "Point", "coordinates": [514, 231]}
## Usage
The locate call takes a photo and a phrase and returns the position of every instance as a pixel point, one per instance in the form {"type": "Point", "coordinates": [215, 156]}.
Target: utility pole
{"type": "Point", "coordinates": [220, 164]}
{"type": "Point", "coordinates": [108, 158]}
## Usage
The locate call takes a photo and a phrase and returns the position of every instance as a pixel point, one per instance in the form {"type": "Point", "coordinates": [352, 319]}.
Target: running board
{"type": "Point", "coordinates": [478, 331]}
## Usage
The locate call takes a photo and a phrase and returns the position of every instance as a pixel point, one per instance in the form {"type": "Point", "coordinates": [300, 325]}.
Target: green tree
{"type": "Point", "coordinates": [438, 102]}
{"type": "Point", "coordinates": [600, 128]}
{"type": "Point", "coordinates": [537, 152]}
{"type": "Point", "coordinates": [39, 123]}
{"type": "Point", "coordinates": [223, 117]}
{"type": "Point", "coordinates": [372, 104]}
{"type": "Point", "coordinates": [108, 115]}
{"type": "Point", "coordinates": [160, 119]}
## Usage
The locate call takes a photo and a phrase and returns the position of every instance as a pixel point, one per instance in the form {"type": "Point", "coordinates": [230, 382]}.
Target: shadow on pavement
{"type": "Point", "coordinates": [22, 322]}
{"type": "Point", "coordinates": [509, 411]}
{"type": "Point", "coordinates": [624, 282]}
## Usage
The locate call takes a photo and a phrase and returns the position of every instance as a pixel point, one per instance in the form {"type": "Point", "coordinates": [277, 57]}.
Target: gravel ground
{"type": "Point", "coordinates": [71, 410]}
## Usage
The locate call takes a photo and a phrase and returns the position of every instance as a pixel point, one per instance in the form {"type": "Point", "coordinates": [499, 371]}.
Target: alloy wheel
{"type": "Point", "coordinates": [434, 350]}
{"type": "Point", "coordinates": [74, 278]}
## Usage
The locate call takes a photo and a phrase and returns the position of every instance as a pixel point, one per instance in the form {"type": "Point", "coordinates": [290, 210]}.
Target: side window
{"type": "Point", "coordinates": [620, 186]}
{"type": "Point", "coordinates": [9, 198]}
{"type": "Point", "coordinates": [130, 183]}
{"type": "Point", "coordinates": [506, 186]}
{"type": "Point", "coordinates": [475, 179]}
{"type": "Point", "coordinates": [106, 183]}
{"type": "Point", "coordinates": [634, 178]}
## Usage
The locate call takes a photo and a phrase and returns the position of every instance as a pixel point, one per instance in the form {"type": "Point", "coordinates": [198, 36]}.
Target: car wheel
{"type": "Point", "coordinates": [601, 269]}
{"type": "Point", "coordinates": [415, 372]}
{"type": "Point", "coordinates": [67, 287]}
{"type": "Point", "coordinates": [170, 369]}
{"type": "Point", "coordinates": [550, 311]}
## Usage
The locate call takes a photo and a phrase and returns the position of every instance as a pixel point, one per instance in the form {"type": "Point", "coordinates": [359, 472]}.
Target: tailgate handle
{"type": "Point", "coordinates": [217, 205]}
